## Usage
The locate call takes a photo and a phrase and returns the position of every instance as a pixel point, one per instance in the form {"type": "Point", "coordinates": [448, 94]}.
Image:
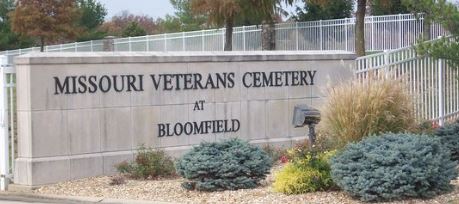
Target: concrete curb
{"type": "Point", "coordinates": [29, 197]}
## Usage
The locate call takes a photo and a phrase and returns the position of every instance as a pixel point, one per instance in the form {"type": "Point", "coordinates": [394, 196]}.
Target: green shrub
{"type": "Point", "coordinates": [394, 166]}
{"type": "Point", "coordinates": [148, 164]}
{"type": "Point", "coordinates": [308, 174]}
{"type": "Point", "coordinates": [228, 165]}
{"type": "Point", "coordinates": [302, 148]}
{"type": "Point", "coordinates": [426, 128]}
{"type": "Point", "coordinates": [355, 110]}
{"type": "Point", "coordinates": [276, 154]}
{"type": "Point", "coordinates": [449, 137]}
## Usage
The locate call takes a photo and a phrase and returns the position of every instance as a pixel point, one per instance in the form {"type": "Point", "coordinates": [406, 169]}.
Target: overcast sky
{"type": "Point", "coordinates": [153, 8]}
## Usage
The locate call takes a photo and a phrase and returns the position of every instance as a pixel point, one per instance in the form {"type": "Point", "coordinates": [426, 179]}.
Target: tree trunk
{"type": "Point", "coordinates": [268, 33]}
{"type": "Point", "coordinates": [229, 35]}
{"type": "Point", "coordinates": [360, 28]}
{"type": "Point", "coordinates": [42, 44]}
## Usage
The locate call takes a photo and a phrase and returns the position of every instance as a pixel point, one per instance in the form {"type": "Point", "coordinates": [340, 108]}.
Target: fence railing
{"type": "Point", "coordinates": [433, 83]}
{"type": "Point", "coordinates": [381, 33]}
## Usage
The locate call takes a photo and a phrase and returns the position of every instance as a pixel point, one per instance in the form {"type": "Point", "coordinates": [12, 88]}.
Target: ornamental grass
{"type": "Point", "coordinates": [357, 109]}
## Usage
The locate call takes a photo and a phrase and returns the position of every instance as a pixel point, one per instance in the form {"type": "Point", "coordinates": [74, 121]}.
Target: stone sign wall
{"type": "Point", "coordinates": [79, 114]}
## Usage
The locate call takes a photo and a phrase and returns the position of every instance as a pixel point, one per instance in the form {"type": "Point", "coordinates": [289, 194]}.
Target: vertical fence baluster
{"type": "Point", "coordinates": [297, 30]}
{"type": "Point", "coordinates": [440, 93]}
{"type": "Point", "coordinates": [4, 140]}
{"type": "Point", "coordinates": [11, 87]}
{"type": "Point", "coordinates": [321, 35]}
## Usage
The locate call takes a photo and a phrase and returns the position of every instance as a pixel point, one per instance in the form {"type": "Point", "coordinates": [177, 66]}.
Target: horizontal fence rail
{"type": "Point", "coordinates": [381, 33]}
{"type": "Point", "coordinates": [433, 83]}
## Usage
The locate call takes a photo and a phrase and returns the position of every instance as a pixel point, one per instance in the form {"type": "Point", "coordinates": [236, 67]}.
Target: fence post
{"type": "Point", "coordinates": [373, 33]}
{"type": "Point", "coordinates": [223, 37]}
{"type": "Point", "coordinates": [165, 42]}
{"type": "Point", "coordinates": [321, 36]}
{"type": "Point", "coordinates": [400, 30]}
{"type": "Point", "coordinates": [108, 44]}
{"type": "Point", "coordinates": [345, 34]}
{"type": "Point", "coordinates": [243, 37]}
{"type": "Point", "coordinates": [4, 143]}
{"type": "Point", "coordinates": [129, 44]}
{"type": "Point", "coordinates": [147, 40]}
{"type": "Point", "coordinates": [92, 46]}
{"type": "Point", "coordinates": [183, 42]}
{"type": "Point", "coordinates": [297, 36]}
{"type": "Point", "coordinates": [441, 113]}
{"type": "Point", "coordinates": [202, 40]}
{"type": "Point", "coordinates": [386, 64]}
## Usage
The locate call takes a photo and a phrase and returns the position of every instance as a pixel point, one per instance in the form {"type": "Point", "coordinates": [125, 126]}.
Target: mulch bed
{"type": "Point", "coordinates": [169, 190]}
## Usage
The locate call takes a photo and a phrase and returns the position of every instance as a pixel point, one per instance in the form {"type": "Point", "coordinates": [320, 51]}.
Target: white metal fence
{"type": "Point", "coordinates": [7, 121]}
{"type": "Point", "coordinates": [433, 83]}
{"type": "Point", "coordinates": [381, 32]}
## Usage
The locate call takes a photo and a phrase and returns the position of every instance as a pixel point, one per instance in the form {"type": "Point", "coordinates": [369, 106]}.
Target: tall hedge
{"type": "Point", "coordinates": [394, 166]}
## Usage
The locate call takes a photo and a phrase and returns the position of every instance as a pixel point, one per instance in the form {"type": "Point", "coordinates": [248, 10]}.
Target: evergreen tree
{"type": "Point", "coordinates": [170, 24]}
{"type": "Point", "coordinates": [446, 14]}
{"type": "Point", "coordinates": [134, 29]}
{"type": "Point", "coordinates": [189, 21]}
{"type": "Point", "coordinates": [92, 17]}
{"type": "Point", "coordinates": [382, 7]}
{"type": "Point", "coordinates": [313, 10]}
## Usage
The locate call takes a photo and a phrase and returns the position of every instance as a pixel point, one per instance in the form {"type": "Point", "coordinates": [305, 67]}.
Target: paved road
{"type": "Point", "coordinates": [17, 202]}
{"type": "Point", "coordinates": [14, 199]}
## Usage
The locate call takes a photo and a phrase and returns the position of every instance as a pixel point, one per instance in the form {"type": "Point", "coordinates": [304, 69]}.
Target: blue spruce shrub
{"type": "Point", "coordinates": [394, 166]}
{"type": "Point", "coordinates": [229, 165]}
{"type": "Point", "coordinates": [449, 137]}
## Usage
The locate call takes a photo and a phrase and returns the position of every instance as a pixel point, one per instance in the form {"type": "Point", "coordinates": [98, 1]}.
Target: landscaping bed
{"type": "Point", "coordinates": [169, 190]}
{"type": "Point", "coordinates": [385, 156]}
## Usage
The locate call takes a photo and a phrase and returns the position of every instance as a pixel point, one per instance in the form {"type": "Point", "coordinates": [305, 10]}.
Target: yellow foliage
{"type": "Point", "coordinates": [294, 180]}
{"type": "Point", "coordinates": [309, 173]}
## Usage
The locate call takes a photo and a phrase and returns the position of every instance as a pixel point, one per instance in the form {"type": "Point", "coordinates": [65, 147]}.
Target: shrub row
{"type": "Point", "coordinates": [229, 165]}
{"type": "Point", "coordinates": [378, 168]}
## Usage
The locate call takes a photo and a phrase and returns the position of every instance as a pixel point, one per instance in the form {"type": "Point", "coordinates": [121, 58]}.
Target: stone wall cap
{"type": "Point", "coordinates": [178, 57]}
